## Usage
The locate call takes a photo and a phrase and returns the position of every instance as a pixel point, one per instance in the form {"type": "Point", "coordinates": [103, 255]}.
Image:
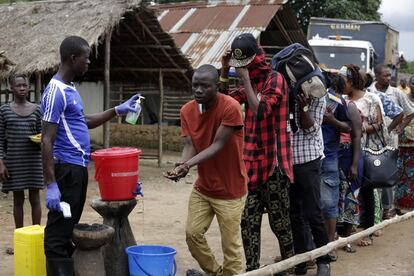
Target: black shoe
{"type": "Point", "coordinates": [301, 269]}
{"type": "Point", "coordinates": [399, 212]}
{"type": "Point", "coordinates": [333, 256]}
{"type": "Point", "coordinates": [194, 272]}
{"type": "Point", "coordinates": [323, 270]}
{"type": "Point", "coordinates": [386, 214]}
{"type": "Point", "coordinates": [311, 264]}
{"type": "Point", "coordinates": [59, 267]}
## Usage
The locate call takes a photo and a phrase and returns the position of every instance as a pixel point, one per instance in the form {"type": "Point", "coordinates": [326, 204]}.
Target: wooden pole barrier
{"type": "Point", "coordinates": [312, 255]}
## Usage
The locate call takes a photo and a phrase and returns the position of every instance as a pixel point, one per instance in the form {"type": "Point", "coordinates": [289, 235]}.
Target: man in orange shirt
{"type": "Point", "coordinates": [212, 126]}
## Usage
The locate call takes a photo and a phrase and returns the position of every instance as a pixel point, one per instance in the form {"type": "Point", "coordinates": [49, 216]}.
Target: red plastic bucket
{"type": "Point", "coordinates": [116, 170]}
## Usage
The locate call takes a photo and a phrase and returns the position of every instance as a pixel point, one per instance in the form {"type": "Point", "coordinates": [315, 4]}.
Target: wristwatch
{"type": "Point", "coordinates": [305, 108]}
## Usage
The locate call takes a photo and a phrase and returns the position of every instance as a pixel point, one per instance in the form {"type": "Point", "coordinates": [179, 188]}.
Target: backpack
{"type": "Point", "coordinates": [297, 65]}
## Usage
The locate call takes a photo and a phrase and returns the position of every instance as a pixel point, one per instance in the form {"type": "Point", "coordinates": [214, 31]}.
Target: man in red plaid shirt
{"type": "Point", "coordinates": [267, 150]}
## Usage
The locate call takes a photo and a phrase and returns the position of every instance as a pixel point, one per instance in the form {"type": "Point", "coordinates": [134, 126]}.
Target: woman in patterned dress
{"type": "Point", "coordinates": [404, 191]}
{"type": "Point", "coordinates": [371, 111]}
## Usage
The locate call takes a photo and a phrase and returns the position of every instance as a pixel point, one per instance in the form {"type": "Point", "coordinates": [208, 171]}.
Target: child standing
{"type": "Point", "coordinates": [20, 158]}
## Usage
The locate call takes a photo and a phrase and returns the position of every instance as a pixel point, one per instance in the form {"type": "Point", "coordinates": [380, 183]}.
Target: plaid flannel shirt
{"type": "Point", "coordinates": [307, 144]}
{"type": "Point", "coordinates": [267, 135]}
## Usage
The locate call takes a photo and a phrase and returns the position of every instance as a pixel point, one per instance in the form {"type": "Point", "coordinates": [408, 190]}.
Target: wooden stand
{"type": "Point", "coordinates": [115, 214]}
{"type": "Point", "coordinates": [88, 258]}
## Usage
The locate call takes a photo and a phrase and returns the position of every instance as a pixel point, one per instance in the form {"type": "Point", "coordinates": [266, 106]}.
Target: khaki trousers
{"type": "Point", "coordinates": [201, 211]}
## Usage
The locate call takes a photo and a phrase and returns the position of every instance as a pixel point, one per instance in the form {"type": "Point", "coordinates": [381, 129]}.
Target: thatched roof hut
{"type": "Point", "coordinates": [131, 52]}
{"type": "Point", "coordinates": [30, 35]}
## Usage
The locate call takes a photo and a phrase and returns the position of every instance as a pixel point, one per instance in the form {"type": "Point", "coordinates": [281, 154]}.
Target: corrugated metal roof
{"type": "Point", "coordinates": [198, 19]}
{"type": "Point", "coordinates": [259, 16]}
{"type": "Point", "coordinates": [180, 38]}
{"type": "Point", "coordinates": [209, 46]}
{"type": "Point", "coordinates": [171, 18]}
{"type": "Point", "coordinates": [214, 18]}
{"type": "Point", "coordinates": [205, 30]}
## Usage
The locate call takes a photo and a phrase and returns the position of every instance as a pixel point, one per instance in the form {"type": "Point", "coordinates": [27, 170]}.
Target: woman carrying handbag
{"type": "Point", "coordinates": [371, 111]}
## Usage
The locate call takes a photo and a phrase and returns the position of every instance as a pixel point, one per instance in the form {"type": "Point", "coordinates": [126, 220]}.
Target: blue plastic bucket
{"type": "Point", "coordinates": [151, 260]}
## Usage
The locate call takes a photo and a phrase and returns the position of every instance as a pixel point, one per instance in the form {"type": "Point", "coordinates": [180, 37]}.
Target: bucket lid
{"type": "Point", "coordinates": [116, 152]}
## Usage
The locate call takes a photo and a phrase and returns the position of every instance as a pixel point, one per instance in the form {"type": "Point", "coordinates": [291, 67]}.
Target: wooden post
{"type": "Point", "coordinates": [107, 87]}
{"type": "Point", "coordinates": [7, 95]}
{"type": "Point", "coordinates": [38, 86]}
{"type": "Point", "coordinates": [121, 97]}
{"type": "Point", "coordinates": [160, 115]}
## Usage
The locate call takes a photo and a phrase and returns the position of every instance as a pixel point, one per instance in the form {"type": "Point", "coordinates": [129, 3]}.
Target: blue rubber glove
{"type": "Point", "coordinates": [128, 106]}
{"type": "Point", "coordinates": [138, 190]}
{"type": "Point", "coordinates": [53, 197]}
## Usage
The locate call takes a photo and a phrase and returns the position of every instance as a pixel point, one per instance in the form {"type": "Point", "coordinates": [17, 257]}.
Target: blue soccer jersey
{"type": "Point", "coordinates": [62, 105]}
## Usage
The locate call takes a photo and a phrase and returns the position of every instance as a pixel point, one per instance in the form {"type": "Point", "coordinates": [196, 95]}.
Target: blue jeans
{"type": "Point", "coordinates": [329, 188]}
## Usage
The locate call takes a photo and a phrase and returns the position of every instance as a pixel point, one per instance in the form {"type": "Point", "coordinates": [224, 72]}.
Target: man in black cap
{"type": "Point", "coordinates": [267, 150]}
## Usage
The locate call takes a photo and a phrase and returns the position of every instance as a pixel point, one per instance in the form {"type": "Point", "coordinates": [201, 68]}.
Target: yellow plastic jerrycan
{"type": "Point", "coordinates": [29, 255]}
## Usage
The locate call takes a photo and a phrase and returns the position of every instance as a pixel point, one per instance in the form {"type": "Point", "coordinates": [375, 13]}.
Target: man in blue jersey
{"type": "Point", "coordinates": [66, 151]}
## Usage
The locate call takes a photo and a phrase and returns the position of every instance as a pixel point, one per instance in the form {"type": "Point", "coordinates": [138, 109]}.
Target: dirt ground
{"type": "Point", "coordinates": [160, 219]}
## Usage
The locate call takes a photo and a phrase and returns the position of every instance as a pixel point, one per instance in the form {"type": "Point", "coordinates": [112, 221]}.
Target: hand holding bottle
{"type": "Point", "coordinates": [128, 106]}
{"type": "Point", "coordinates": [132, 116]}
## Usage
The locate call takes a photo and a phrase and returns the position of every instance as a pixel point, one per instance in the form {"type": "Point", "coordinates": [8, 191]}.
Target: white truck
{"type": "Point", "coordinates": [337, 42]}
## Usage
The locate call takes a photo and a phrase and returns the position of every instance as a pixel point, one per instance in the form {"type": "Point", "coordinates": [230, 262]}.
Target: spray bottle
{"type": "Point", "coordinates": [132, 117]}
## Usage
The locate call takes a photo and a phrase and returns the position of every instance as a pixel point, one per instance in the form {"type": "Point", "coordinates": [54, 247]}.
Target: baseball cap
{"type": "Point", "coordinates": [243, 50]}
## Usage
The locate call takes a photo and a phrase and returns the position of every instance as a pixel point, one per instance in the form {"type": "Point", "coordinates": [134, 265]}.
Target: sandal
{"type": "Point", "coordinates": [367, 241]}
{"type": "Point", "coordinates": [10, 251]}
{"type": "Point", "coordinates": [349, 248]}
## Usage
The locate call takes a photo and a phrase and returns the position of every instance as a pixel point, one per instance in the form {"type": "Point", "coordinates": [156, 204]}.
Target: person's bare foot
{"type": "Point", "coordinates": [378, 233]}
{"type": "Point", "coordinates": [9, 251]}
{"type": "Point", "coordinates": [277, 259]}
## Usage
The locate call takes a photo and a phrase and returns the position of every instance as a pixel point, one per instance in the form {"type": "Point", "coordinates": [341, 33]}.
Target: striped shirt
{"type": "Point", "coordinates": [20, 155]}
{"type": "Point", "coordinates": [62, 105]}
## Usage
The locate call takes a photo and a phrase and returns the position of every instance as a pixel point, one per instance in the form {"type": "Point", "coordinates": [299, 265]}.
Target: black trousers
{"type": "Point", "coordinates": [305, 200]}
{"type": "Point", "coordinates": [73, 182]}
{"type": "Point", "coordinates": [368, 199]}
{"type": "Point", "coordinates": [274, 196]}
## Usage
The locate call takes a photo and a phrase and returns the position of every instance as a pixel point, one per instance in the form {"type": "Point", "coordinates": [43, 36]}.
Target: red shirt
{"type": "Point", "coordinates": [224, 175]}
{"type": "Point", "coordinates": [267, 135]}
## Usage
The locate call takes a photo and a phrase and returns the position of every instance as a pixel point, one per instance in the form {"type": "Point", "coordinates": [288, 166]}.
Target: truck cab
{"type": "Point", "coordinates": [336, 42]}
{"type": "Point", "coordinates": [334, 52]}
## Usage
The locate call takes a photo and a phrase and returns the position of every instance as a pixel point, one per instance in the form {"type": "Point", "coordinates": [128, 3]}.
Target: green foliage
{"type": "Point", "coordinates": [409, 69]}
{"type": "Point", "coordinates": [344, 9]}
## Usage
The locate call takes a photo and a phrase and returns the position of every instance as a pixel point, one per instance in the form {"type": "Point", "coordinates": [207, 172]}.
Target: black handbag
{"type": "Point", "coordinates": [380, 167]}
